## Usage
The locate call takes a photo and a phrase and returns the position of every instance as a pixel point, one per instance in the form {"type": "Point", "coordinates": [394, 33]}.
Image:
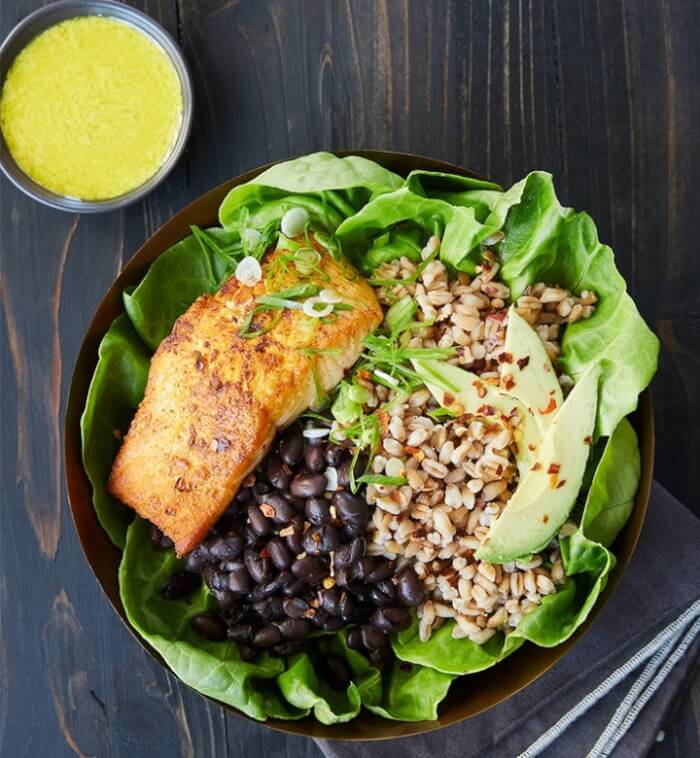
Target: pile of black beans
{"type": "Point", "coordinates": [289, 558]}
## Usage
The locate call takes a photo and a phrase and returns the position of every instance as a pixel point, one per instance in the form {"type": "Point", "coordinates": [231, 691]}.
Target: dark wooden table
{"type": "Point", "coordinates": [603, 94]}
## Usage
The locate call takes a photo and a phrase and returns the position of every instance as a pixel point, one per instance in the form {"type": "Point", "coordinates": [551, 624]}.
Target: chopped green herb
{"type": "Point", "coordinates": [396, 481]}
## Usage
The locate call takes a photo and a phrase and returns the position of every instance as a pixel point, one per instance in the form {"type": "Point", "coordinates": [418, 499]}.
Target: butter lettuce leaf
{"type": "Point", "coordinates": [610, 498]}
{"type": "Point", "coordinates": [115, 392]}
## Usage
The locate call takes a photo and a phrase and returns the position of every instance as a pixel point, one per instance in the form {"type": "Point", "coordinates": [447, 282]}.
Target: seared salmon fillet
{"type": "Point", "coordinates": [214, 399]}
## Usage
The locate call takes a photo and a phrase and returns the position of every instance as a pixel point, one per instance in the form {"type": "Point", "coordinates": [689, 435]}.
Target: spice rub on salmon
{"type": "Point", "coordinates": [215, 398]}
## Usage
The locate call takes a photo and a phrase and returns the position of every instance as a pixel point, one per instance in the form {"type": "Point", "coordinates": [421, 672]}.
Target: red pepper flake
{"type": "Point", "coordinates": [486, 410]}
{"type": "Point", "coordinates": [268, 510]}
{"type": "Point", "coordinates": [448, 398]}
{"type": "Point", "coordinates": [588, 440]}
{"type": "Point", "coordinates": [561, 484]}
{"type": "Point", "coordinates": [547, 368]}
{"type": "Point", "coordinates": [553, 468]}
{"type": "Point", "coordinates": [507, 382]}
{"type": "Point", "coordinates": [531, 447]}
{"type": "Point", "coordinates": [496, 315]}
{"type": "Point", "coordinates": [383, 417]}
{"type": "Point", "coordinates": [553, 481]}
{"type": "Point", "coordinates": [505, 358]}
{"type": "Point", "coordinates": [536, 466]}
{"type": "Point", "coordinates": [545, 518]}
{"type": "Point", "coordinates": [264, 553]}
{"type": "Point", "coordinates": [550, 407]}
{"type": "Point", "coordinates": [309, 613]}
{"type": "Point", "coordinates": [117, 434]}
{"type": "Point", "coordinates": [363, 374]}
{"type": "Point", "coordinates": [480, 389]}
{"type": "Point", "coordinates": [522, 362]}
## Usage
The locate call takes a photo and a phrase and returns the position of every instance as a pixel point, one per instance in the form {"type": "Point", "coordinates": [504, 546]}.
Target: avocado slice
{"type": "Point", "coordinates": [464, 392]}
{"type": "Point", "coordinates": [547, 493]}
{"type": "Point", "coordinates": [528, 374]}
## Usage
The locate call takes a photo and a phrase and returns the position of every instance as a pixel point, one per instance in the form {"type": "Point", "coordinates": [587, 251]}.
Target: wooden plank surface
{"type": "Point", "coordinates": [603, 94]}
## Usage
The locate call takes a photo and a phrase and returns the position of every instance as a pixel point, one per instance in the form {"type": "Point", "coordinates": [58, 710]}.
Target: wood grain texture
{"type": "Point", "coordinates": [602, 93]}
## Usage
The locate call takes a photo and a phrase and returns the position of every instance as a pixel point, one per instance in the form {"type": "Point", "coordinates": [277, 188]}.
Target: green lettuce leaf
{"type": "Point", "coordinates": [212, 668]}
{"type": "Point", "coordinates": [610, 498]}
{"type": "Point", "coordinates": [173, 282]}
{"type": "Point", "coordinates": [115, 391]}
{"type": "Point", "coordinates": [302, 687]}
{"type": "Point", "coordinates": [330, 188]}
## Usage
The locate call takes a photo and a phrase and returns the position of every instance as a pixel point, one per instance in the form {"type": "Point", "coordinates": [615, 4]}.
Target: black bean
{"type": "Point", "coordinates": [391, 619]}
{"type": "Point", "coordinates": [292, 590]}
{"type": "Point", "coordinates": [251, 538]}
{"type": "Point", "coordinates": [247, 652]}
{"type": "Point", "coordinates": [260, 489]}
{"type": "Point", "coordinates": [343, 577]}
{"type": "Point", "coordinates": [362, 593]}
{"type": "Point", "coordinates": [217, 580]}
{"type": "Point", "coordinates": [409, 588]}
{"type": "Point", "coordinates": [295, 607]}
{"type": "Point", "coordinates": [333, 624]}
{"type": "Point", "coordinates": [294, 629]}
{"type": "Point", "coordinates": [379, 598]}
{"type": "Point", "coordinates": [352, 509]}
{"type": "Point", "coordinates": [195, 561]}
{"type": "Point", "coordinates": [295, 538]}
{"type": "Point", "coordinates": [321, 539]}
{"type": "Point", "coordinates": [387, 587]}
{"type": "Point", "coordinates": [320, 617]}
{"type": "Point", "coordinates": [226, 600]}
{"type": "Point", "coordinates": [159, 540]}
{"type": "Point", "coordinates": [337, 672]}
{"type": "Point", "coordinates": [266, 589]}
{"type": "Point", "coordinates": [278, 509]}
{"type": "Point", "coordinates": [209, 626]}
{"type": "Point", "coordinates": [353, 530]}
{"type": "Point", "coordinates": [279, 553]}
{"type": "Point", "coordinates": [267, 636]}
{"type": "Point", "coordinates": [363, 568]}
{"type": "Point", "coordinates": [285, 579]}
{"type": "Point", "coordinates": [309, 568]}
{"type": "Point", "coordinates": [239, 580]}
{"type": "Point", "coordinates": [318, 510]}
{"type": "Point", "coordinates": [330, 600]}
{"type": "Point", "coordinates": [360, 613]}
{"type": "Point", "coordinates": [243, 495]}
{"type": "Point", "coordinates": [292, 446]}
{"type": "Point", "coordinates": [241, 632]}
{"type": "Point", "coordinates": [269, 609]}
{"type": "Point", "coordinates": [345, 605]}
{"type": "Point", "coordinates": [258, 567]}
{"type": "Point", "coordinates": [348, 555]}
{"type": "Point", "coordinates": [372, 638]}
{"type": "Point", "coordinates": [180, 585]}
{"type": "Point", "coordinates": [315, 457]}
{"type": "Point", "coordinates": [383, 570]}
{"type": "Point", "coordinates": [355, 638]}
{"type": "Point", "coordinates": [286, 648]}
{"type": "Point", "coordinates": [308, 484]}
{"type": "Point", "coordinates": [259, 523]}
{"type": "Point", "coordinates": [278, 473]}
{"type": "Point", "coordinates": [226, 547]}
{"type": "Point", "coordinates": [335, 454]}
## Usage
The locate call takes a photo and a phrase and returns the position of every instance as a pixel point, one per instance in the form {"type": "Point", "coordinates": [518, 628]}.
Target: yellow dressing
{"type": "Point", "coordinates": [91, 108]}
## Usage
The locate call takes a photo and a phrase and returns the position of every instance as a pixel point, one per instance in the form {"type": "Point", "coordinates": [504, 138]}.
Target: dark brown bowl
{"type": "Point", "coordinates": [485, 689]}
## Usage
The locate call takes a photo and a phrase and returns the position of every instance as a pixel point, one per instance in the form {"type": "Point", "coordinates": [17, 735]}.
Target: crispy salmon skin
{"type": "Point", "coordinates": [215, 399]}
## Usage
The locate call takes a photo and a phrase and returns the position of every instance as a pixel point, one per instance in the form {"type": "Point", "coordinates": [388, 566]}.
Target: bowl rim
{"type": "Point", "coordinates": [60, 11]}
{"type": "Point", "coordinates": [532, 661]}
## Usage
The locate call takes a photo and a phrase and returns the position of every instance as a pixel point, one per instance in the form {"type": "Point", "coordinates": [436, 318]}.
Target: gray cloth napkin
{"type": "Point", "coordinates": [662, 581]}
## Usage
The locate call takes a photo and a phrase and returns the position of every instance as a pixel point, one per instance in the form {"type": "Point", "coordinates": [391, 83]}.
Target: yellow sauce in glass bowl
{"type": "Point", "coordinates": [91, 108]}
